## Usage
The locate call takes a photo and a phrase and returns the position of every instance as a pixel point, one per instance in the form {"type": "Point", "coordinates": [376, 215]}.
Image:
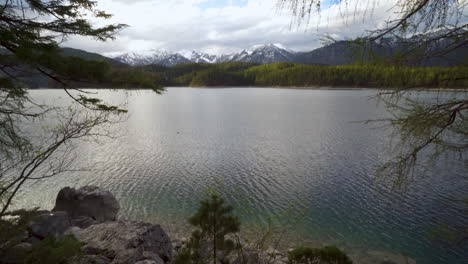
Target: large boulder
{"type": "Point", "coordinates": [89, 201]}
{"type": "Point", "coordinates": [54, 223]}
{"type": "Point", "coordinates": [84, 221]}
{"type": "Point", "coordinates": [126, 242]}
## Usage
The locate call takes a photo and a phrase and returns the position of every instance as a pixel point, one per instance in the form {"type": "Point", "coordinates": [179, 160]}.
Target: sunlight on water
{"type": "Point", "coordinates": [273, 153]}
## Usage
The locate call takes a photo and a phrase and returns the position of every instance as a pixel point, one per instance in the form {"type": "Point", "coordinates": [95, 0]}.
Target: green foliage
{"type": "Point", "coordinates": [327, 254]}
{"type": "Point", "coordinates": [13, 228]}
{"type": "Point", "coordinates": [89, 56]}
{"type": "Point", "coordinates": [213, 222]}
{"type": "Point", "coordinates": [53, 250]}
{"type": "Point", "coordinates": [30, 31]}
{"type": "Point", "coordinates": [219, 77]}
{"type": "Point", "coordinates": [76, 68]}
{"type": "Point", "coordinates": [30, 54]}
{"type": "Point", "coordinates": [129, 77]}
{"type": "Point", "coordinates": [192, 252]}
{"type": "Point", "coordinates": [288, 74]}
{"type": "Point", "coordinates": [24, 37]}
{"type": "Point", "coordinates": [202, 74]}
{"type": "Point", "coordinates": [357, 75]}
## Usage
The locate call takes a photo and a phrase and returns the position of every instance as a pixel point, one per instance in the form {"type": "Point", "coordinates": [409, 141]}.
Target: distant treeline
{"type": "Point", "coordinates": [286, 74]}
{"type": "Point", "coordinates": [72, 69]}
{"type": "Point", "coordinates": [281, 74]}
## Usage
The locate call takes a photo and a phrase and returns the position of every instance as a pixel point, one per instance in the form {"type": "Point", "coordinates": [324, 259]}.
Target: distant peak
{"type": "Point", "coordinates": [187, 53]}
{"type": "Point", "coordinates": [269, 45]}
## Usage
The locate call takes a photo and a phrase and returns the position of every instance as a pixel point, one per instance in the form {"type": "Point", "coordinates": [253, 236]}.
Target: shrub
{"type": "Point", "coordinates": [53, 250]}
{"type": "Point", "coordinates": [13, 227]}
{"type": "Point", "coordinates": [309, 255]}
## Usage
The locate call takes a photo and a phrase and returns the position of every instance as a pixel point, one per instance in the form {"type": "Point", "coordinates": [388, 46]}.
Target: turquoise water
{"type": "Point", "coordinates": [292, 156]}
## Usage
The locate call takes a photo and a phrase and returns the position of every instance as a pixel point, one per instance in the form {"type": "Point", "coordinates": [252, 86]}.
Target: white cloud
{"type": "Point", "coordinates": [183, 24]}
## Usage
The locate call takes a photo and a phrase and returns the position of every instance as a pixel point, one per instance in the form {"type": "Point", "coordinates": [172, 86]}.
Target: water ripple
{"type": "Point", "coordinates": [291, 155]}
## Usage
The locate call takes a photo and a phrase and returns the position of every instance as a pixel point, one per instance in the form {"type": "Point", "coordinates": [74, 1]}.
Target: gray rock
{"type": "Point", "coordinates": [90, 259]}
{"type": "Point", "coordinates": [72, 231]}
{"type": "Point", "coordinates": [270, 251]}
{"type": "Point", "coordinates": [91, 201]}
{"type": "Point", "coordinates": [84, 221]}
{"type": "Point", "coordinates": [16, 254]}
{"type": "Point", "coordinates": [26, 247]}
{"type": "Point", "coordinates": [146, 261]}
{"type": "Point", "coordinates": [249, 257]}
{"type": "Point", "coordinates": [52, 223]}
{"type": "Point", "coordinates": [177, 244]}
{"type": "Point", "coordinates": [126, 241]}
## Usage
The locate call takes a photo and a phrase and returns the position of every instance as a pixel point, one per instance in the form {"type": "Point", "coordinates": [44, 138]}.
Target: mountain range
{"type": "Point", "coordinates": [257, 54]}
{"type": "Point", "coordinates": [336, 53]}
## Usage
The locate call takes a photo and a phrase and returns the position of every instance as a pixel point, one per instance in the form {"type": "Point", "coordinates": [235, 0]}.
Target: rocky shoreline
{"type": "Point", "coordinates": [90, 214]}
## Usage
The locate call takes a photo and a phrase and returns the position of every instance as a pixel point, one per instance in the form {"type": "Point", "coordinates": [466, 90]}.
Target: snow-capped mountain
{"type": "Point", "coordinates": [264, 54]}
{"type": "Point", "coordinates": [199, 57]}
{"type": "Point", "coordinates": [336, 53]}
{"type": "Point", "coordinates": [152, 57]}
{"type": "Point", "coordinates": [258, 54]}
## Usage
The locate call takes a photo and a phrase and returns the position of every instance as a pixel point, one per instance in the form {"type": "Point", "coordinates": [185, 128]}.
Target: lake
{"type": "Point", "coordinates": [290, 156]}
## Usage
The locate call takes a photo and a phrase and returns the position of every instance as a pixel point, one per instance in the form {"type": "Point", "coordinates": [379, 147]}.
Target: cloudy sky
{"type": "Point", "coordinates": [226, 26]}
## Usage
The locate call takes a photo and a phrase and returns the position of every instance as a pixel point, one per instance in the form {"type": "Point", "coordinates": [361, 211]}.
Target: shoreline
{"type": "Point", "coordinates": [323, 88]}
{"type": "Point", "coordinates": [318, 88]}
{"type": "Point", "coordinates": [281, 241]}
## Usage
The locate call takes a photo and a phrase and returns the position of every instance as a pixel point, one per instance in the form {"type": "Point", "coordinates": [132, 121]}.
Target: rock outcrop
{"type": "Point", "coordinates": [126, 242]}
{"type": "Point", "coordinates": [50, 224]}
{"type": "Point", "coordinates": [90, 214]}
{"type": "Point", "coordinates": [89, 201]}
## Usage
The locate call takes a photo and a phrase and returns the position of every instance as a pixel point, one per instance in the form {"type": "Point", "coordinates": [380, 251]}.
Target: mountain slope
{"type": "Point", "coordinates": [152, 57]}
{"type": "Point", "coordinates": [263, 54]}
{"type": "Point", "coordinates": [90, 56]}
{"type": "Point", "coordinates": [199, 57]}
{"type": "Point", "coordinates": [345, 52]}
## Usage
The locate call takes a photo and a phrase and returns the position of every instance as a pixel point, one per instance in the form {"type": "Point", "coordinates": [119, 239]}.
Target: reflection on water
{"type": "Point", "coordinates": [274, 154]}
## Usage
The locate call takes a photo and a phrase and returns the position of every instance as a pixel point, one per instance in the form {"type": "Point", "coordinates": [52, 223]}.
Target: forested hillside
{"type": "Point", "coordinates": [286, 74]}
{"type": "Point", "coordinates": [86, 69]}
{"type": "Point", "coordinates": [106, 72]}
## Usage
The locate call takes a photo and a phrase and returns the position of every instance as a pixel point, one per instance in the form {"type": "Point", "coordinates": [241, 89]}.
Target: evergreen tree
{"type": "Point", "coordinates": [213, 221]}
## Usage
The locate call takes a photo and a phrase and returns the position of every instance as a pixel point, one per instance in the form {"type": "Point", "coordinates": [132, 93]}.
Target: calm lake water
{"type": "Point", "coordinates": [286, 155]}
